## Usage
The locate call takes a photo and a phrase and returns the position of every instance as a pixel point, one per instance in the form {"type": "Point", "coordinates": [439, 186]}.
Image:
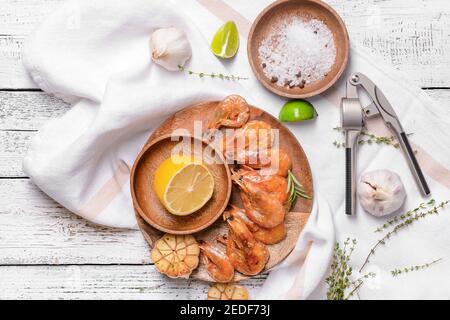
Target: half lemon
{"type": "Point", "coordinates": [183, 185]}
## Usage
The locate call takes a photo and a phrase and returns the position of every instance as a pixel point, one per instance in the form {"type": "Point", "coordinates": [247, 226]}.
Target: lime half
{"type": "Point", "coordinates": [225, 43]}
{"type": "Point", "coordinates": [297, 110]}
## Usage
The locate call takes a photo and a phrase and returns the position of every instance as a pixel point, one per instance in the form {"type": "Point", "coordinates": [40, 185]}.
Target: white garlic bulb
{"type": "Point", "coordinates": [381, 192]}
{"type": "Point", "coordinates": [170, 48]}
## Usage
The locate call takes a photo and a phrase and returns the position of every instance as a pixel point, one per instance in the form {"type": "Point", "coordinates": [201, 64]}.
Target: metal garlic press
{"type": "Point", "coordinates": [353, 117]}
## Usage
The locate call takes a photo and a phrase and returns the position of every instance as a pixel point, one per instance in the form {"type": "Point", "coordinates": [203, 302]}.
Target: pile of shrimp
{"type": "Point", "coordinates": [263, 190]}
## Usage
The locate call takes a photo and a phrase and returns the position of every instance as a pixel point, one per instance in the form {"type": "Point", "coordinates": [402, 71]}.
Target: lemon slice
{"type": "Point", "coordinates": [183, 184]}
{"type": "Point", "coordinates": [225, 43]}
{"type": "Point", "coordinates": [189, 189]}
{"type": "Point", "coordinates": [166, 170]}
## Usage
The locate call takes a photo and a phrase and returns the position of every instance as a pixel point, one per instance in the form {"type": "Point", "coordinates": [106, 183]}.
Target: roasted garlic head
{"type": "Point", "coordinates": [223, 291]}
{"type": "Point", "coordinates": [176, 255]}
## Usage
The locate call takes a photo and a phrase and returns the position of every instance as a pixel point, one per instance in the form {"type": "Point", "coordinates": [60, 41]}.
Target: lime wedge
{"type": "Point", "coordinates": [297, 110]}
{"type": "Point", "coordinates": [225, 43]}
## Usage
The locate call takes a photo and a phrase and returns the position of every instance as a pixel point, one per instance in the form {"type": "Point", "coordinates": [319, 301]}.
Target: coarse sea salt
{"type": "Point", "coordinates": [297, 52]}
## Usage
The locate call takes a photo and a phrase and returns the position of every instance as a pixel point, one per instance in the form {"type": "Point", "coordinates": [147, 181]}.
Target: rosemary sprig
{"type": "Point", "coordinates": [405, 216]}
{"type": "Point", "coordinates": [295, 189]}
{"type": "Point", "coordinates": [212, 75]}
{"type": "Point", "coordinates": [406, 222]}
{"type": "Point", "coordinates": [399, 271]}
{"type": "Point", "coordinates": [339, 279]}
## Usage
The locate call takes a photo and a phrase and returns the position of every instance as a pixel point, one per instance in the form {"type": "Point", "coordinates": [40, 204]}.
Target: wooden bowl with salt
{"type": "Point", "coordinates": [281, 61]}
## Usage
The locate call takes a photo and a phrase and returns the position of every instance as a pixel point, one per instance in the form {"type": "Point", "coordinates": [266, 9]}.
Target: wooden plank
{"type": "Point", "coordinates": [100, 282]}
{"type": "Point", "coordinates": [20, 17]}
{"type": "Point", "coordinates": [411, 35]}
{"type": "Point", "coordinates": [12, 72]}
{"type": "Point", "coordinates": [441, 96]}
{"type": "Point", "coordinates": [13, 145]}
{"type": "Point", "coordinates": [21, 114]}
{"type": "Point", "coordinates": [36, 230]}
{"type": "Point", "coordinates": [28, 110]}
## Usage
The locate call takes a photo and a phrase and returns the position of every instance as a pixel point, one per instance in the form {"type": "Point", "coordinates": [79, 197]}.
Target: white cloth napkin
{"type": "Point", "coordinates": [303, 271]}
{"type": "Point", "coordinates": [95, 55]}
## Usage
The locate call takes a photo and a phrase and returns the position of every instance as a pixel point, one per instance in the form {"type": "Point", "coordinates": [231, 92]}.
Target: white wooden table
{"type": "Point", "coordinates": [47, 252]}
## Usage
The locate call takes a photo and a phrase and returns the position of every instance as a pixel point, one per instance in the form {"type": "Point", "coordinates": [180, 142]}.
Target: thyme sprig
{"type": "Point", "coordinates": [339, 279]}
{"type": "Point", "coordinates": [371, 139]}
{"type": "Point", "coordinates": [295, 189]}
{"type": "Point", "coordinates": [404, 223]}
{"type": "Point", "coordinates": [212, 74]}
{"type": "Point", "coordinates": [404, 216]}
{"type": "Point", "coordinates": [399, 271]}
{"type": "Point", "coordinates": [359, 282]}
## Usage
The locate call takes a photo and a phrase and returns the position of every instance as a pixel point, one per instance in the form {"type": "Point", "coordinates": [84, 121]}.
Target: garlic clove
{"type": "Point", "coordinates": [381, 192]}
{"type": "Point", "coordinates": [170, 48]}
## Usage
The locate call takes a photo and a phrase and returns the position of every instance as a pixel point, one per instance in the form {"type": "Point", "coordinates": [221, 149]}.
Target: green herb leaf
{"type": "Point", "coordinates": [211, 75]}
{"type": "Point", "coordinates": [399, 271]}
{"type": "Point", "coordinates": [408, 219]}
{"type": "Point", "coordinates": [370, 138]}
{"type": "Point", "coordinates": [295, 189]}
{"type": "Point", "coordinates": [338, 281]}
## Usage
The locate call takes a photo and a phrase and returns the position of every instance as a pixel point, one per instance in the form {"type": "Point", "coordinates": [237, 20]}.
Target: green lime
{"type": "Point", "coordinates": [297, 110]}
{"type": "Point", "coordinates": [225, 43]}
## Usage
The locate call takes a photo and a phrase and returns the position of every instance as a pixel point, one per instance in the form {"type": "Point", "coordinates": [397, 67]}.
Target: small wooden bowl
{"type": "Point", "coordinates": [146, 201]}
{"type": "Point", "coordinates": [307, 9]}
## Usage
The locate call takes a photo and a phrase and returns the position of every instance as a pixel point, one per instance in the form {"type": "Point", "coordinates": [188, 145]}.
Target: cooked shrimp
{"type": "Point", "coordinates": [247, 255]}
{"type": "Point", "coordinates": [246, 143]}
{"type": "Point", "coordinates": [270, 161]}
{"type": "Point", "coordinates": [262, 207]}
{"type": "Point", "coordinates": [266, 236]}
{"type": "Point", "coordinates": [255, 134]}
{"type": "Point", "coordinates": [272, 235]}
{"type": "Point", "coordinates": [236, 212]}
{"type": "Point", "coordinates": [276, 161]}
{"type": "Point", "coordinates": [232, 112]}
{"type": "Point", "coordinates": [217, 263]}
{"type": "Point", "coordinates": [274, 184]}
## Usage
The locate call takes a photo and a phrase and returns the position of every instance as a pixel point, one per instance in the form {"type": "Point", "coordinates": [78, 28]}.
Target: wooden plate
{"type": "Point", "coordinates": [295, 220]}
{"type": "Point", "coordinates": [306, 9]}
{"type": "Point", "coordinates": [147, 203]}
